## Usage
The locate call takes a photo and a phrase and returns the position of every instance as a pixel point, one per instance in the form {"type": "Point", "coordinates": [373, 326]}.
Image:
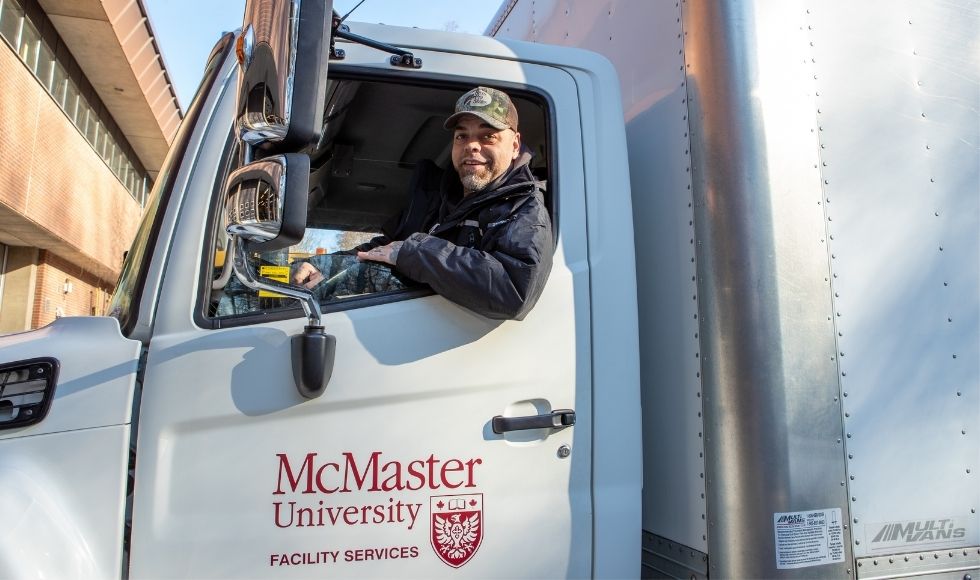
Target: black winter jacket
{"type": "Point", "coordinates": [490, 252]}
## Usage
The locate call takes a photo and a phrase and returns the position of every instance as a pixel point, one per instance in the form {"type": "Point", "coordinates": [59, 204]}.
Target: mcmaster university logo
{"type": "Point", "coordinates": [457, 527]}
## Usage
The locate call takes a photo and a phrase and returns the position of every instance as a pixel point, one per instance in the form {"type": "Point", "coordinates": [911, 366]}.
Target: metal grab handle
{"type": "Point", "coordinates": [557, 419]}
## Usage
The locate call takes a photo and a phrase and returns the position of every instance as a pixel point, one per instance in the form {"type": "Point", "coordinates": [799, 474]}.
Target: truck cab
{"type": "Point", "coordinates": [172, 439]}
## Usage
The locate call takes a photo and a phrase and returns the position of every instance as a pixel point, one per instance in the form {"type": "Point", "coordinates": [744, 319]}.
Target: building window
{"type": "Point", "coordinates": [11, 20]}
{"type": "Point", "coordinates": [53, 73]}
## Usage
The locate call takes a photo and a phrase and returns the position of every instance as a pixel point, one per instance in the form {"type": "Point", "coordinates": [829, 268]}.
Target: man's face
{"type": "Point", "coordinates": [482, 153]}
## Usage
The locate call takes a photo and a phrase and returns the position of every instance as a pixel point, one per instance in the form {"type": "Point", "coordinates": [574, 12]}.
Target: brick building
{"type": "Point", "coordinates": [87, 113]}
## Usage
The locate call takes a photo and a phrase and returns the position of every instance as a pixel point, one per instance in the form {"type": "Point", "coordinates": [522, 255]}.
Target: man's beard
{"type": "Point", "coordinates": [479, 180]}
{"type": "Point", "coordinates": [474, 182]}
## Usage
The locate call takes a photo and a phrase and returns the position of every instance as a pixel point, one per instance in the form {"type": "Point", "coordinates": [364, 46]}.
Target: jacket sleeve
{"type": "Point", "coordinates": [502, 281]}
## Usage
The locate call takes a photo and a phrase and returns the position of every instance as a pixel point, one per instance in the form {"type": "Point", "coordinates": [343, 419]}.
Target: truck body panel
{"type": "Point", "coordinates": [829, 208]}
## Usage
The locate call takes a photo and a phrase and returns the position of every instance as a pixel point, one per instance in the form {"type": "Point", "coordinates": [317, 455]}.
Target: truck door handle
{"type": "Point", "coordinates": [557, 419]}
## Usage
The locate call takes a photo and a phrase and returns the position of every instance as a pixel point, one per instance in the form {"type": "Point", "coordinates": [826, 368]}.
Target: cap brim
{"type": "Point", "coordinates": [450, 123]}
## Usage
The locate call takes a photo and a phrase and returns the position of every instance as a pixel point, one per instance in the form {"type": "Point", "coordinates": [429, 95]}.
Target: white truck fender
{"type": "Point", "coordinates": [39, 537]}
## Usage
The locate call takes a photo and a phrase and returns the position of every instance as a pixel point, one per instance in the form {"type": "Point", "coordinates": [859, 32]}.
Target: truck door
{"type": "Point", "coordinates": [396, 468]}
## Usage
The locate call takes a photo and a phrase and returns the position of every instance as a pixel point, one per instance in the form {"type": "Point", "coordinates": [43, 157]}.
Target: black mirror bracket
{"type": "Point", "coordinates": [312, 355]}
{"type": "Point", "coordinates": [335, 25]}
{"type": "Point", "coordinates": [401, 57]}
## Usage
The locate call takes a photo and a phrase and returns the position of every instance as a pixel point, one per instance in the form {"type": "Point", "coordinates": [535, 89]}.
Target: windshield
{"type": "Point", "coordinates": [125, 300]}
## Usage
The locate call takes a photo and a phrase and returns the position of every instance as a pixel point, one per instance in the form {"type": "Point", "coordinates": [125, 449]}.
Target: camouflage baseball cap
{"type": "Point", "coordinates": [491, 105]}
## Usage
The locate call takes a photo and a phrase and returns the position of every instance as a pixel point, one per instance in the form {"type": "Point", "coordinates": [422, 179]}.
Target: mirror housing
{"type": "Point", "coordinates": [266, 201]}
{"type": "Point", "coordinates": [278, 109]}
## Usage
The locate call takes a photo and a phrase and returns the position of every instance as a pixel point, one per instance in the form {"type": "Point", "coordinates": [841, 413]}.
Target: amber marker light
{"type": "Point", "coordinates": [243, 46]}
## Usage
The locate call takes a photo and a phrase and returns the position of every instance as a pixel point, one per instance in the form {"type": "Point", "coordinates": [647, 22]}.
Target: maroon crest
{"type": "Point", "coordinates": [457, 526]}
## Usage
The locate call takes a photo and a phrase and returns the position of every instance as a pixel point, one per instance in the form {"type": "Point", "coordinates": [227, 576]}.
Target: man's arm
{"type": "Point", "coordinates": [503, 282]}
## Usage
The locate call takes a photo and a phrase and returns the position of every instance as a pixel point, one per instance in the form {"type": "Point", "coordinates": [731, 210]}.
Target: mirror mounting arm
{"type": "Point", "coordinates": [401, 57]}
{"type": "Point", "coordinates": [312, 352]}
{"type": "Point", "coordinates": [247, 276]}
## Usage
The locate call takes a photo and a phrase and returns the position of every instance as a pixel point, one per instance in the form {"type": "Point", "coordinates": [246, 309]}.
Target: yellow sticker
{"type": "Point", "coordinates": [277, 273]}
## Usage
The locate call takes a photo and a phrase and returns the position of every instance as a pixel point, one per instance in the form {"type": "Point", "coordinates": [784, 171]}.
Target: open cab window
{"type": "Point", "coordinates": [375, 175]}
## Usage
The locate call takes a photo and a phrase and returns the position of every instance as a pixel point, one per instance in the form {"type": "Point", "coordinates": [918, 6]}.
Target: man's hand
{"type": "Point", "coordinates": [305, 274]}
{"type": "Point", "coordinates": [386, 254]}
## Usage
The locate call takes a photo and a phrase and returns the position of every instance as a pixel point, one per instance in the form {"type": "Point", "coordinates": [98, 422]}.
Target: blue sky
{"type": "Point", "coordinates": [187, 29]}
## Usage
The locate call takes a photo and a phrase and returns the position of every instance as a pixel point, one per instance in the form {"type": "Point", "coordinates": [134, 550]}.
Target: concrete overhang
{"type": "Point", "coordinates": [113, 42]}
{"type": "Point", "coordinates": [18, 230]}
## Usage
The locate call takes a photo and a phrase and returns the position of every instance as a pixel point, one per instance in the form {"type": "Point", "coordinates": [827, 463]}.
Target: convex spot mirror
{"type": "Point", "coordinates": [266, 202]}
{"type": "Point", "coordinates": [279, 109]}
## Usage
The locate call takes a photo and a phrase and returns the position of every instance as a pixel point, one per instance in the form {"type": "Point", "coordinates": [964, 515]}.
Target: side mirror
{"type": "Point", "coordinates": [266, 201]}
{"type": "Point", "coordinates": [277, 107]}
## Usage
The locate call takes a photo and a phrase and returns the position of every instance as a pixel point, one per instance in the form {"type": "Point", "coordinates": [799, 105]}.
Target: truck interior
{"type": "Point", "coordinates": [375, 135]}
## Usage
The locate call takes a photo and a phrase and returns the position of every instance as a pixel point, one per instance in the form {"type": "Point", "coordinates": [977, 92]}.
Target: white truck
{"type": "Point", "coordinates": [762, 362]}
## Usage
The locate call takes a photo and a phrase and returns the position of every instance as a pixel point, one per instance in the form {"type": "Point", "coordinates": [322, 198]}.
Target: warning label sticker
{"type": "Point", "coordinates": [809, 538]}
{"type": "Point", "coordinates": [277, 273]}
